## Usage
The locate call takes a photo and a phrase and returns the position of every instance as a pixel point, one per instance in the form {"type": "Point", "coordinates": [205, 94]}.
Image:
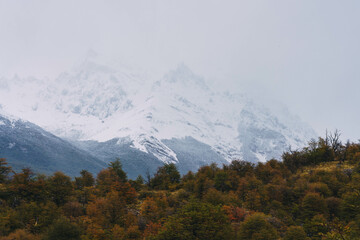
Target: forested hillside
{"type": "Point", "coordinates": [313, 193]}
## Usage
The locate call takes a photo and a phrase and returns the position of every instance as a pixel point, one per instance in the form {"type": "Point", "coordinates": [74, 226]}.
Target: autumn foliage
{"type": "Point", "coordinates": [313, 193]}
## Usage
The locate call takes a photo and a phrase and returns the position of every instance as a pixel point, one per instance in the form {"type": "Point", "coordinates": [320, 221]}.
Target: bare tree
{"type": "Point", "coordinates": [333, 139]}
{"type": "Point", "coordinates": [334, 142]}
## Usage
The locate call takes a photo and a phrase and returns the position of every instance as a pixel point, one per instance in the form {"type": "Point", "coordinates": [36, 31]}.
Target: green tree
{"type": "Point", "coordinates": [138, 183]}
{"type": "Point", "coordinates": [4, 170]}
{"type": "Point", "coordinates": [256, 227]}
{"type": "Point", "coordinates": [242, 168]}
{"type": "Point", "coordinates": [60, 188]}
{"type": "Point", "coordinates": [20, 234]}
{"type": "Point", "coordinates": [86, 180]}
{"type": "Point", "coordinates": [222, 182]}
{"type": "Point", "coordinates": [313, 204]}
{"type": "Point", "coordinates": [316, 227]}
{"type": "Point", "coordinates": [295, 233]}
{"type": "Point", "coordinates": [214, 197]}
{"type": "Point", "coordinates": [24, 186]}
{"type": "Point", "coordinates": [197, 221]}
{"type": "Point", "coordinates": [116, 166]}
{"type": "Point", "coordinates": [63, 229]}
{"type": "Point", "coordinates": [165, 176]}
{"type": "Point", "coordinates": [350, 206]}
{"type": "Point", "coordinates": [36, 217]}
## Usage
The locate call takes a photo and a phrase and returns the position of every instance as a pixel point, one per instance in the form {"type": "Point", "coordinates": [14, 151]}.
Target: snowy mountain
{"type": "Point", "coordinates": [24, 144]}
{"type": "Point", "coordinates": [100, 105]}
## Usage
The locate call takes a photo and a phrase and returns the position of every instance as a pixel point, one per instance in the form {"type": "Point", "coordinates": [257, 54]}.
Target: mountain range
{"type": "Point", "coordinates": [107, 111]}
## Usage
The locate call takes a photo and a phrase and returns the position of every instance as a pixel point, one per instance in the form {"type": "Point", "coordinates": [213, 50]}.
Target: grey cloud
{"type": "Point", "coordinates": [303, 53]}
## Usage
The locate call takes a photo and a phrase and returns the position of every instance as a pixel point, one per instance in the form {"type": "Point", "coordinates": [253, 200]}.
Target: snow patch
{"type": "Point", "coordinates": [11, 145]}
{"type": "Point", "coordinates": [136, 143]}
{"type": "Point", "coordinates": [261, 157]}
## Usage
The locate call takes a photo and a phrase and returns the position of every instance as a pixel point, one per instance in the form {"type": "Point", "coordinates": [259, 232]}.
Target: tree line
{"type": "Point", "coordinates": [313, 193]}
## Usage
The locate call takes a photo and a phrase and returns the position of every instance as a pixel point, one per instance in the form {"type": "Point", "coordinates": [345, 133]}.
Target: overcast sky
{"type": "Point", "coordinates": [305, 54]}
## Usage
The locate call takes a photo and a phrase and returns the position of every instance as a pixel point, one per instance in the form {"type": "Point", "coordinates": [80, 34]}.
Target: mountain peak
{"type": "Point", "coordinates": [183, 68]}
{"type": "Point", "coordinates": [91, 54]}
{"type": "Point", "coordinates": [180, 74]}
{"type": "Point", "coordinates": [183, 74]}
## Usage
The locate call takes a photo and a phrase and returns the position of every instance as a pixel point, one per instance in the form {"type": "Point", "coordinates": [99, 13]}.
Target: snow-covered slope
{"type": "Point", "coordinates": [100, 101]}
{"type": "Point", "coordinates": [24, 144]}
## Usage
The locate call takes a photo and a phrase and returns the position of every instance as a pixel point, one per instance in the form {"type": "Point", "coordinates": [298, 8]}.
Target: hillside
{"type": "Point", "coordinates": [319, 199]}
{"type": "Point", "coordinates": [26, 145]}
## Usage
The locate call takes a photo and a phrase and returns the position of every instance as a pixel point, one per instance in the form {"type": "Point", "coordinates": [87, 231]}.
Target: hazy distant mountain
{"type": "Point", "coordinates": [24, 144]}
{"type": "Point", "coordinates": [119, 111]}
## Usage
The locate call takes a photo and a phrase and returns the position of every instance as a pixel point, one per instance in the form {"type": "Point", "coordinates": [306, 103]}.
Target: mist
{"type": "Point", "coordinates": [304, 54]}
